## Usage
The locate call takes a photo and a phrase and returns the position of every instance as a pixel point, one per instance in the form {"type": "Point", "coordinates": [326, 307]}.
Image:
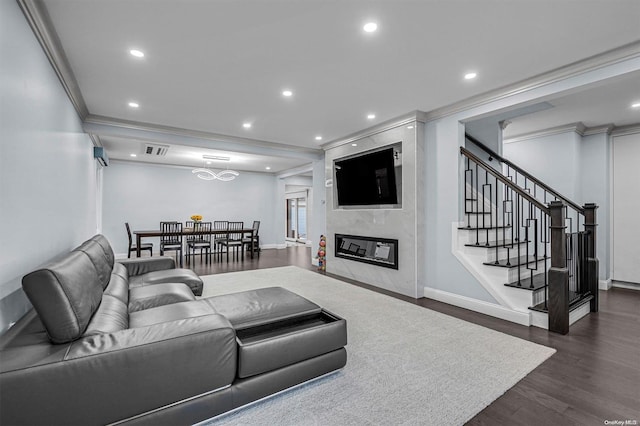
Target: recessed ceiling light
{"type": "Point", "coordinates": [246, 125]}
{"type": "Point", "coordinates": [354, 144]}
{"type": "Point", "coordinates": [470, 75]}
{"type": "Point", "coordinates": [318, 138]}
{"type": "Point", "coordinates": [267, 168]}
{"type": "Point", "coordinates": [409, 127]}
{"type": "Point", "coordinates": [133, 155]}
{"type": "Point", "coordinates": [134, 104]}
{"type": "Point", "coordinates": [208, 162]}
{"type": "Point", "coordinates": [287, 93]}
{"type": "Point", "coordinates": [137, 53]}
{"type": "Point", "coordinates": [371, 116]}
{"type": "Point", "coordinates": [370, 27]}
{"type": "Point", "coordinates": [635, 105]}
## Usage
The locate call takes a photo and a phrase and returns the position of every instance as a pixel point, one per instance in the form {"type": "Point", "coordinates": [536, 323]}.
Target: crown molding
{"type": "Point", "coordinates": [38, 18]}
{"type": "Point", "coordinates": [623, 53]}
{"type": "Point", "coordinates": [306, 168]}
{"type": "Point", "coordinates": [606, 129]}
{"type": "Point", "coordinates": [101, 125]}
{"type": "Point", "coordinates": [626, 130]}
{"type": "Point", "coordinates": [414, 116]}
{"type": "Point", "coordinates": [578, 128]}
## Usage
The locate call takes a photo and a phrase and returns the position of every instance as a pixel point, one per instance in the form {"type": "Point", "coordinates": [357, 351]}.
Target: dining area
{"type": "Point", "coordinates": [197, 240]}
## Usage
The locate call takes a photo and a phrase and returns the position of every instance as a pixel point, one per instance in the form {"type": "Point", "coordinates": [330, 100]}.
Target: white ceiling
{"type": "Point", "coordinates": [211, 65]}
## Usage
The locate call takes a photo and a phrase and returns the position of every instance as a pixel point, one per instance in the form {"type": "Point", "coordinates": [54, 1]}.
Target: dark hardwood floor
{"type": "Point", "coordinates": [594, 376]}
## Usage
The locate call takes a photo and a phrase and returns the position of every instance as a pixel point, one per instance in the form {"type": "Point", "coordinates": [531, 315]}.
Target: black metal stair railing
{"type": "Point", "coordinates": [509, 212]}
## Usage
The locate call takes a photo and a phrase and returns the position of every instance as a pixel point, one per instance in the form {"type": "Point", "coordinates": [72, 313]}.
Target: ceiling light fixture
{"type": "Point", "coordinates": [246, 125]}
{"type": "Point", "coordinates": [371, 116]}
{"type": "Point", "coordinates": [224, 175]}
{"type": "Point", "coordinates": [470, 75]}
{"type": "Point", "coordinates": [287, 93]}
{"type": "Point", "coordinates": [409, 127]}
{"type": "Point", "coordinates": [267, 168]}
{"type": "Point", "coordinates": [133, 155]}
{"type": "Point", "coordinates": [370, 27]}
{"type": "Point", "coordinates": [635, 105]}
{"type": "Point", "coordinates": [134, 104]}
{"type": "Point", "coordinates": [354, 144]}
{"type": "Point", "coordinates": [318, 138]}
{"type": "Point", "coordinates": [137, 53]}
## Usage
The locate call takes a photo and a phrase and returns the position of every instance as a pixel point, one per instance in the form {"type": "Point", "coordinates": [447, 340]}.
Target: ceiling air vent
{"type": "Point", "coordinates": [155, 149]}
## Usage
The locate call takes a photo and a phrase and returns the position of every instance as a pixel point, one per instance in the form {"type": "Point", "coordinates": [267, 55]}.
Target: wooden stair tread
{"type": "Point", "coordinates": [515, 261]}
{"type": "Point", "coordinates": [538, 281]}
{"type": "Point", "coordinates": [473, 228]}
{"type": "Point", "coordinates": [494, 244]}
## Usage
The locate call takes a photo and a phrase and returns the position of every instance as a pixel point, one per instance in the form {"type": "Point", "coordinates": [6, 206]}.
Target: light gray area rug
{"type": "Point", "coordinates": [406, 365]}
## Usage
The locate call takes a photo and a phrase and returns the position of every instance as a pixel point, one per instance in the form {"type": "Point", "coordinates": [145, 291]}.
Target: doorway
{"type": "Point", "coordinates": [296, 218]}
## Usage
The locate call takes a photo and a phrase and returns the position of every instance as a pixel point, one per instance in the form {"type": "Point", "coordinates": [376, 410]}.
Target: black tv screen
{"type": "Point", "coordinates": [367, 179]}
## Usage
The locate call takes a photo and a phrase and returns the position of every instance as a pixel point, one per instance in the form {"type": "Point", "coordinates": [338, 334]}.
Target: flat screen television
{"type": "Point", "coordinates": [367, 179]}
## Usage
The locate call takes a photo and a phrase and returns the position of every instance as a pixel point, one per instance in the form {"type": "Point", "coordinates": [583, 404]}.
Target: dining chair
{"type": "Point", "coordinates": [199, 241]}
{"type": "Point", "coordinates": [222, 226]}
{"type": "Point", "coordinates": [254, 239]}
{"type": "Point", "coordinates": [171, 238]}
{"type": "Point", "coordinates": [234, 239]}
{"type": "Point", "coordinates": [133, 247]}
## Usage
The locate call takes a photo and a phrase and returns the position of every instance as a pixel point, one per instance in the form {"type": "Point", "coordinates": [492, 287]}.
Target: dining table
{"type": "Point", "coordinates": [190, 231]}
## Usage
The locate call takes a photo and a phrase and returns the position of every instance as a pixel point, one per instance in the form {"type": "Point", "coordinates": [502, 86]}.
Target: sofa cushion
{"type": "Point", "coordinates": [120, 270]}
{"type": "Point", "coordinates": [168, 313]}
{"type": "Point", "coordinates": [186, 276]}
{"type": "Point", "coordinates": [261, 306]}
{"type": "Point", "coordinates": [104, 243]}
{"type": "Point", "coordinates": [65, 293]}
{"type": "Point", "coordinates": [118, 287]}
{"type": "Point", "coordinates": [112, 315]}
{"type": "Point", "coordinates": [99, 259]}
{"type": "Point", "coordinates": [151, 296]}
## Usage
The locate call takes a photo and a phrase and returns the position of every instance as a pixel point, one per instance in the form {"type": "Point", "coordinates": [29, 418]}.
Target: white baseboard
{"type": "Point", "coordinates": [273, 246]}
{"type": "Point", "coordinates": [491, 309]}
{"type": "Point", "coordinates": [604, 284]}
{"type": "Point", "coordinates": [624, 284]}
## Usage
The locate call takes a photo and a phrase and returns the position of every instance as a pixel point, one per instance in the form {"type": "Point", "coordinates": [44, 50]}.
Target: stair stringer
{"type": "Point", "coordinates": [514, 302]}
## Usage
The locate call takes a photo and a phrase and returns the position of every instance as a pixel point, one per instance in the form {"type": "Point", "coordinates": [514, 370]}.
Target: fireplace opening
{"type": "Point", "coordinates": [373, 250]}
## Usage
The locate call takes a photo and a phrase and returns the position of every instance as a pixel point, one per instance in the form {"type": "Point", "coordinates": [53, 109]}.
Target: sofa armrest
{"type": "Point", "coordinates": [110, 377]}
{"type": "Point", "coordinates": [142, 265]}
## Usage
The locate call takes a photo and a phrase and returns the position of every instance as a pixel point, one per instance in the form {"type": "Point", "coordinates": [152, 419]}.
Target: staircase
{"type": "Point", "coordinates": [531, 248]}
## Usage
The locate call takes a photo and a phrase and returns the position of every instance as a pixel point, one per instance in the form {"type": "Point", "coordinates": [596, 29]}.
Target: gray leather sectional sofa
{"type": "Point", "coordinates": [127, 341]}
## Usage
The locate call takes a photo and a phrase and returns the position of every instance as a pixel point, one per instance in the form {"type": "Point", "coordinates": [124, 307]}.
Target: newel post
{"type": "Point", "coordinates": [593, 273]}
{"type": "Point", "coordinates": [558, 273]}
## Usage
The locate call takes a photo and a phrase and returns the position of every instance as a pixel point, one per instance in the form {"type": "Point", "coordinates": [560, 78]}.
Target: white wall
{"type": "Point", "coordinates": [554, 159]}
{"type": "Point", "coordinates": [144, 195]}
{"type": "Point", "coordinates": [47, 171]}
{"type": "Point", "coordinates": [442, 164]}
{"type": "Point", "coordinates": [626, 204]}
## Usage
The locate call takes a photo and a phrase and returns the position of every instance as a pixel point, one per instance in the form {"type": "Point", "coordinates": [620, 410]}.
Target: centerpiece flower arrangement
{"type": "Point", "coordinates": [196, 217]}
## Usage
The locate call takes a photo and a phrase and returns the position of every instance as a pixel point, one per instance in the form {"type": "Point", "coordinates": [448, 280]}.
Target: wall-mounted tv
{"type": "Point", "coordinates": [371, 178]}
